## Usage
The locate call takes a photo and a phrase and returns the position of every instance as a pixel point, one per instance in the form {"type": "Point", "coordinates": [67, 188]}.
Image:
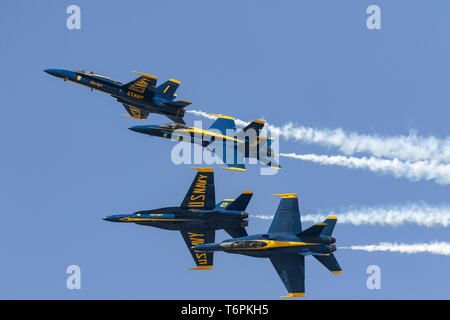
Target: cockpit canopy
{"type": "Point", "coordinates": [85, 71]}
{"type": "Point", "coordinates": [172, 126]}
{"type": "Point", "coordinates": [247, 244]}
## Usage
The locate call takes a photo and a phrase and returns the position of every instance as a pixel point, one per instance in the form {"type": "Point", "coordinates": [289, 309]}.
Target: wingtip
{"type": "Point", "coordinates": [234, 169]}
{"type": "Point", "coordinates": [201, 268]}
{"type": "Point", "coordinates": [203, 169]}
{"type": "Point", "coordinates": [294, 295]}
{"type": "Point", "coordinates": [175, 81]}
{"type": "Point", "coordinates": [286, 195]}
{"type": "Point", "coordinates": [221, 116]}
{"type": "Point", "coordinates": [145, 75]}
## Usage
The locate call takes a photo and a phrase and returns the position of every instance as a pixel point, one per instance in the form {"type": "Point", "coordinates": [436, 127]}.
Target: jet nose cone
{"type": "Point", "coordinates": [65, 74]}
{"type": "Point", "coordinates": [140, 129]}
{"type": "Point", "coordinates": [54, 72]}
{"type": "Point", "coordinates": [116, 218]}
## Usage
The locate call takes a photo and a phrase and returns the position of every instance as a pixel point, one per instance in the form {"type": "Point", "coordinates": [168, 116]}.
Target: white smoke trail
{"type": "Point", "coordinates": [410, 148]}
{"type": "Point", "coordinates": [442, 248]}
{"type": "Point", "coordinates": [420, 170]}
{"type": "Point", "coordinates": [421, 214]}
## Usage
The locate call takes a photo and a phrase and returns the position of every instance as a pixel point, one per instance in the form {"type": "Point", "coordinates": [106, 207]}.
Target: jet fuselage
{"type": "Point", "coordinates": [267, 245]}
{"type": "Point", "coordinates": [200, 137]}
{"type": "Point", "coordinates": [175, 218]}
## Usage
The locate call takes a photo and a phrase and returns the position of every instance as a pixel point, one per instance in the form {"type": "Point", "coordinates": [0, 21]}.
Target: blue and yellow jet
{"type": "Point", "coordinates": [222, 137]}
{"type": "Point", "coordinates": [198, 217]}
{"type": "Point", "coordinates": [286, 245]}
{"type": "Point", "coordinates": [139, 97]}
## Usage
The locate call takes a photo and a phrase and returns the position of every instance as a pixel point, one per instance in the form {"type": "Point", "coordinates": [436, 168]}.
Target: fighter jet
{"type": "Point", "coordinates": [198, 217]}
{"type": "Point", "coordinates": [286, 245]}
{"type": "Point", "coordinates": [222, 138]}
{"type": "Point", "coordinates": [139, 97]}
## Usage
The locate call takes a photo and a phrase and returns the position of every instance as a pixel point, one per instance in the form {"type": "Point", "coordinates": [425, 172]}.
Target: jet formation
{"type": "Point", "coordinates": [199, 216]}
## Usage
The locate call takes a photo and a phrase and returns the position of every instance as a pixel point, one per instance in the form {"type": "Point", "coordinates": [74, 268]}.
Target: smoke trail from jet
{"type": "Point", "coordinates": [420, 170]}
{"type": "Point", "coordinates": [420, 214]}
{"type": "Point", "coordinates": [409, 148]}
{"type": "Point", "coordinates": [412, 169]}
{"type": "Point", "coordinates": [442, 248]}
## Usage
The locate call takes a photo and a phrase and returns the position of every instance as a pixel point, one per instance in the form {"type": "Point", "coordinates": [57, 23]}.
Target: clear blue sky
{"type": "Point", "coordinates": [68, 159]}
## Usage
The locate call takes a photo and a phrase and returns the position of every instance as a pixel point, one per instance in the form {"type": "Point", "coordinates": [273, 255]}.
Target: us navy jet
{"type": "Point", "coordinates": [139, 97]}
{"type": "Point", "coordinates": [286, 245]}
{"type": "Point", "coordinates": [222, 138]}
{"type": "Point", "coordinates": [198, 217]}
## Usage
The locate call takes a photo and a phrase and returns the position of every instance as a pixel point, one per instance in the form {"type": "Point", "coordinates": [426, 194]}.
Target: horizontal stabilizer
{"type": "Point", "coordinates": [135, 112]}
{"type": "Point", "coordinates": [177, 120]}
{"type": "Point", "coordinates": [241, 202]}
{"type": "Point", "coordinates": [330, 262]}
{"type": "Point", "coordinates": [313, 231]}
{"type": "Point", "coordinates": [179, 103]}
{"type": "Point", "coordinates": [236, 232]}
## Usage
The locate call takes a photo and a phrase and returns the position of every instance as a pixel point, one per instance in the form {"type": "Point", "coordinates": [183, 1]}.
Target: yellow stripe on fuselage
{"type": "Point", "coordinates": [205, 132]}
{"type": "Point", "coordinates": [197, 130]}
{"type": "Point", "coordinates": [93, 74]}
{"type": "Point", "coordinates": [154, 219]}
{"type": "Point", "coordinates": [276, 244]}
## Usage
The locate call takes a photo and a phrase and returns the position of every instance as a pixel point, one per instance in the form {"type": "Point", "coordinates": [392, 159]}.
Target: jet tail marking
{"type": "Point", "coordinates": [201, 194]}
{"type": "Point", "coordinates": [141, 86]}
{"type": "Point", "coordinates": [167, 89]}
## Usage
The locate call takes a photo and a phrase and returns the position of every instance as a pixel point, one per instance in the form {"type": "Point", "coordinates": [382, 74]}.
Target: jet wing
{"type": "Point", "coordinates": [203, 260]}
{"type": "Point", "coordinates": [291, 269]}
{"type": "Point", "coordinates": [201, 194]}
{"type": "Point", "coordinates": [135, 112]}
{"type": "Point", "coordinates": [287, 217]}
{"type": "Point", "coordinates": [229, 155]}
